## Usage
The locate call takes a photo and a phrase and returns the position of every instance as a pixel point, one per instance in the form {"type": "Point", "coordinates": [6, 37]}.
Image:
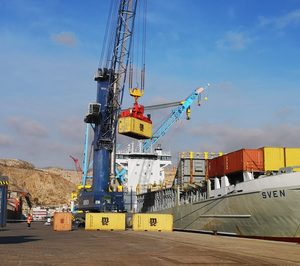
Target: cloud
{"type": "Point", "coordinates": [233, 41]}
{"type": "Point", "coordinates": [285, 112]}
{"type": "Point", "coordinates": [5, 141]}
{"type": "Point", "coordinates": [291, 18]}
{"type": "Point", "coordinates": [73, 129]}
{"type": "Point", "coordinates": [27, 127]}
{"type": "Point", "coordinates": [65, 38]}
{"type": "Point", "coordinates": [228, 137]}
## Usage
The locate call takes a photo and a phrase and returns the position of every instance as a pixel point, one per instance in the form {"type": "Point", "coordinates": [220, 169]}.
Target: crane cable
{"type": "Point", "coordinates": [107, 28]}
{"type": "Point", "coordinates": [138, 54]}
{"type": "Point", "coordinates": [130, 52]}
{"type": "Point", "coordinates": [112, 36]}
{"type": "Point", "coordinates": [144, 46]}
{"type": "Point", "coordinates": [107, 43]}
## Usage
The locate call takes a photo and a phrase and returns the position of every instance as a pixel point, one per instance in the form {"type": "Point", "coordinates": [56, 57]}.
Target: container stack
{"type": "Point", "coordinates": [292, 157]}
{"type": "Point", "coordinates": [262, 160]}
{"type": "Point", "coordinates": [192, 167]}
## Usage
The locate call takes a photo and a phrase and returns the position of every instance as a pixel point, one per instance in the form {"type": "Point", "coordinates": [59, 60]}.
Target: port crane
{"type": "Point", "coordinates": [103, 114]}
{"type": "Point", "coordinates": [175, 115]}
{"type": "Point", "coordinates": [181, 108]}
{"type": "Point", "coordinates": [77, 165]}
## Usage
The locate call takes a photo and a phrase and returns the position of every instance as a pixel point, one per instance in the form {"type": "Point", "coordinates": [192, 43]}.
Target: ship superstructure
{"type": "Point", "coordinates": [143, 171]}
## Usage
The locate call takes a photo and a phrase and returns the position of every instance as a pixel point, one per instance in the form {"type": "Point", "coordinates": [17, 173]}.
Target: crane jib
{"type": "Point", "coordinates": [175, 115]}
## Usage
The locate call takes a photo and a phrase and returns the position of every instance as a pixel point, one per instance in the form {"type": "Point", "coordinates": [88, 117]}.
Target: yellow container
{"type": "Point", "coordinates": [273, 158]}
{"type": "Point", "coordinates": [135, 128]}
{"type": "Point", "coordinates": [292, 157]}
{"type": "Point", "coordinates": [62, 221]}
{"type": "Point", "coordinates": [152, 222]}
{"type": "Point", "coordinates": [105, 221]}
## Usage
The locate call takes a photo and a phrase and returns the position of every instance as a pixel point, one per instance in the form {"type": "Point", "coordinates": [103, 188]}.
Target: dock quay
{"type": "Point", "coordinates": [40, 245]}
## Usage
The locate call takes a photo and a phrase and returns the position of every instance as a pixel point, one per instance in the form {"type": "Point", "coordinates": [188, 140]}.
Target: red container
{"type": "Point", "coordinates": [215, 167]}
{"type": "Point", "coordinates": [251, 160]}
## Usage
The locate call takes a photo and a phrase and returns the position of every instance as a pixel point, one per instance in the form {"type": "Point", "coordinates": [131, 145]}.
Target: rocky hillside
{"type": "Point", "coordinates": [170, 173]}
{"type": "Point", "coordinates": [51, 186]}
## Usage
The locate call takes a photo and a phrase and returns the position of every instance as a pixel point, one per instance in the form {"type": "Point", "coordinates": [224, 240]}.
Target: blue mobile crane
{"type": "Point", "coordinates": [103, 115]}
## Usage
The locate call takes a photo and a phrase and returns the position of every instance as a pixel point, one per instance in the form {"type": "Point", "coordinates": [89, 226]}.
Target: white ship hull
{"type": "Point", "coordinates": [267, 207]}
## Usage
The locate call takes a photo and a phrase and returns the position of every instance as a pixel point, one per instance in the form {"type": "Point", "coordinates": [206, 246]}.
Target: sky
{"type": "Point", "coordinates": [247, 50]}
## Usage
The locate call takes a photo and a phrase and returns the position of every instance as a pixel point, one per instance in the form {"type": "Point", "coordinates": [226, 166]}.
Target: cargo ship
{"type": "Point", "coordinates": [250, 193]}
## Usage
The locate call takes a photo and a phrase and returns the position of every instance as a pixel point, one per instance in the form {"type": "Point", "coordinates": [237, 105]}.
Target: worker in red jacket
{"type": "Point", "coordinates": [29, 220]}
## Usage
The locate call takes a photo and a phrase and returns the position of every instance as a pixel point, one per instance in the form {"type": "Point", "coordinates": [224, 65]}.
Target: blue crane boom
{"type": "Point", "coordinates": [103, 115]}
{"type": "Point", "coordinates": [175, 115]}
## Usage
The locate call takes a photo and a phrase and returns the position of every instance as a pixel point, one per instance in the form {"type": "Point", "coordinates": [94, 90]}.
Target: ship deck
{"type": "Point", "coordinates": [40, 245]}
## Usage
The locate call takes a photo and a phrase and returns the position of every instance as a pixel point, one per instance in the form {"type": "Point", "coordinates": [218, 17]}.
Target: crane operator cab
{"type": "Point", "coordinates": [132, 121]}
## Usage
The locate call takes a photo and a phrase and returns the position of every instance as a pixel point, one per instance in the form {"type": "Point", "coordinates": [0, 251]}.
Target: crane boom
{"type": "Point", "coordinates": [175, 115]}
{"type": "Point", "coordinates": [103, 115]}
{"type": "Point", "coordinates": [161, 106]}
{"type": "Point", "coordinates": [77, 165]}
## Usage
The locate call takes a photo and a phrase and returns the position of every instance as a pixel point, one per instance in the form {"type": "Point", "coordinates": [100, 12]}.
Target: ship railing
{"type": "Point", "coordinates": [191, 197]}
{"type": "Point", "coordinates": [168, 198]}
{"type": "Point", "coordinates": [289, 169]}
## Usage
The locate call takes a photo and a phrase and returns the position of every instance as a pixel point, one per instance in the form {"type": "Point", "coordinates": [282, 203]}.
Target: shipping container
{"type": "Point", "coordinates": [273, 158]}
{"type": "Point", "coordinates": [292, 158]}
{"type": "Point", "coordinates": [3, 200]}
{"type": "Point", "coordinates": [215, 167]}
{"type": "Point", "coordinates": [62, 221]}
{"type": "Point", "coordinates": [251, 160]}
{"type": "Point", "coordinates": [136, 128]}
{"type": "Point", "coordinates": [105, 221]}
{"type": "Point", "coordinates": [193, 167]}
{"type": "Point", "coordinates": [190, 171]}
{"type": "Point", "coordinates": [152, 222]}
